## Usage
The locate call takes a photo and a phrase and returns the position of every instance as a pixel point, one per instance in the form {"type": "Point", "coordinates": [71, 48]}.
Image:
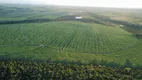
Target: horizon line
{"type": "Point", "coordinates": [73, 5]}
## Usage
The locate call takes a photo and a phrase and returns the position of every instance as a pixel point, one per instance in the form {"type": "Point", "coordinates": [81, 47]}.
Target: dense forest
{"type": "Point", "coordinates": [28, 70]}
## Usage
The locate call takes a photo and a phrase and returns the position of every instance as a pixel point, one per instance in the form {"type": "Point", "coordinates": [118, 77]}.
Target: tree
{"type": "Point", "coordinates": [128, 63]}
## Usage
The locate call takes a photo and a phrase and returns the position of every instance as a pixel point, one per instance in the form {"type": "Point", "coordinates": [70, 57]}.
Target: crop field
{"type": "Point", "coordinates": [91, 38]}
{"type": "Point", "coordinates": [95, 37]}
{"type": "Point", "coordinates": [68, 40]}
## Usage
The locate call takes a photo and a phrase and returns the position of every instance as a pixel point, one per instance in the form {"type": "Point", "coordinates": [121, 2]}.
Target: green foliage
{"type": "Point", "coordinates": [27, 70]}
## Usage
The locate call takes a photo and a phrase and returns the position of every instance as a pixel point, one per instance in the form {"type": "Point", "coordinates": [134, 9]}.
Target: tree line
{"type": "Point", "coordinates": [98, 19]}
{"type": "Point", "coordinates": [31, 70]}
{"type": "Point", "coordinates": [26, 21]}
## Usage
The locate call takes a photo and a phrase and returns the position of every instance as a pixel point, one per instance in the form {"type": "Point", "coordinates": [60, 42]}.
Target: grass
{"type": "Point", "coordinates": [72, 41]}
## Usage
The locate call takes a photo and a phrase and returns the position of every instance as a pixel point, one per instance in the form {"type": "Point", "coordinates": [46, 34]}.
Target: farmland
{"type": "Point", "coordinates": [57, 40]}
{"type": "Point", "coordinates": [28, 35]}
{"type": "Point", "coordinates": [48, 42]}
{"type": "Point", "coordinates": [66, 35]}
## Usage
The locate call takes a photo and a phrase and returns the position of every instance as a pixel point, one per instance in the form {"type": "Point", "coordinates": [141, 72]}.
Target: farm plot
{"type": "Point", "coordinates": [65, 36]}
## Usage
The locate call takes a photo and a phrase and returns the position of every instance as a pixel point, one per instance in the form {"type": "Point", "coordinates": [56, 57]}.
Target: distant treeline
{"type": "Point", "coordinates": [98, 19]}
{"type": "Point", "coordinates": [131, 27]}
{"type": "Point", "coordinates": [101, 20]}
{"type": "Point", "coordinates": [63, 18]}
{"type": "Point", "coordinates": [26, 21]}
{"type": "Point", "coordinates": [128, 24]}
{"type": "Point", "coordinates": [139, 35]}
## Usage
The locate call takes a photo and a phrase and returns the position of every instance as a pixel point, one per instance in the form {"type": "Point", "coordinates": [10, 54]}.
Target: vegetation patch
{"type": "Point", "coordinates": [23, 70]}
{"type": "Point", "coordinates": [139, 35]}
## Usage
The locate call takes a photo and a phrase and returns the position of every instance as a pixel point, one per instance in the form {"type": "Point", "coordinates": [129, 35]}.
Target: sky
{"type": "Point", "coordinates": [95, 3]}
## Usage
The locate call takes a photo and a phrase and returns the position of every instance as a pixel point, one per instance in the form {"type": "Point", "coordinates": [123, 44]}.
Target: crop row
{"type": "Point", "coordinates": [70, 36]}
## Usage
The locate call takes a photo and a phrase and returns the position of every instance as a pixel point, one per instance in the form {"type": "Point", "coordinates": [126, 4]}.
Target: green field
{"type": "Point", "coordinates": [95, 37]}
{"type": "Point", "coordinates": [68, 40]}
{"type": "Point", "coordinates": [48, 42]}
